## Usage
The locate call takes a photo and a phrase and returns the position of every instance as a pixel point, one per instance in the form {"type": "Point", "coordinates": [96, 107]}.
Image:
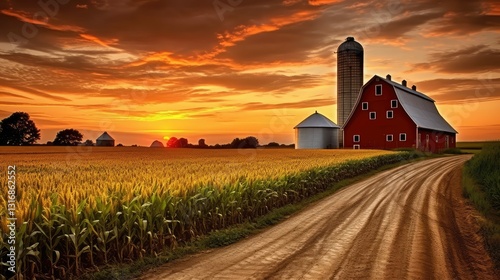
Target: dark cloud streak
{"type": "Point", "coordinates": [478, 58]}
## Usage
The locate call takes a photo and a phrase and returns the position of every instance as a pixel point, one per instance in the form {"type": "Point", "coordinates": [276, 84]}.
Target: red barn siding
{"type": "Point", "coordinates": [434, 141]}
{"type": "Point", "coordinates": [373, 132]}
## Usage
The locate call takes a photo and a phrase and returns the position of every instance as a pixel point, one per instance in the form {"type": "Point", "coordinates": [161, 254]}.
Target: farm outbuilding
{"type": "Point", "coordinates": [105, 140]}
{"type": "Point", "coordinates": [157, 144]}
{"type": "Point", "coordinates": [389, 115]}
{"type": "Point", "coordinates": [316, 132]}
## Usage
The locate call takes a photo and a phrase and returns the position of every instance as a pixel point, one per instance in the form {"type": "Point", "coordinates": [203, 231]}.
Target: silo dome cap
{"type": "Point", "coordinates": [350, 44]}
{"type": "Point", "coordinates": [317, 120]}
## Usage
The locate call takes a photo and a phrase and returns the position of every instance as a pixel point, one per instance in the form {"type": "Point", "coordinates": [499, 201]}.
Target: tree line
{"type": "Point", "coordinates": [19, 130]}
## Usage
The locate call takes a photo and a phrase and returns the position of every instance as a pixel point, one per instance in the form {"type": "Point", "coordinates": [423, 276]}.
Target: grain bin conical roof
{"type": "Point", "coordinates": [157, 144]}
{"type": "Point", "coordinates": [317, 120]}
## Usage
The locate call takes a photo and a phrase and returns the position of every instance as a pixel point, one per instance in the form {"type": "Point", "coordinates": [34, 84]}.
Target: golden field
{"type": "Point", "coordinates": [76, 173]}
{"type": "Point", "coordinates": [83, 207]}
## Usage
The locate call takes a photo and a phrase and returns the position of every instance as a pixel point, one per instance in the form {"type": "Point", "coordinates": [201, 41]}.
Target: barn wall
{"type": "Point", "coordinates": [373, 132]}
{"type": "Point", "coordinates": [435, 141]}
{"type": "Point", "coordinates": [316, 138]}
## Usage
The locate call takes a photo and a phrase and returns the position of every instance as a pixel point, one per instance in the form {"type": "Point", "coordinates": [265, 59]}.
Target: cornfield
{"type": "Point", "coordinates": [82, 207]}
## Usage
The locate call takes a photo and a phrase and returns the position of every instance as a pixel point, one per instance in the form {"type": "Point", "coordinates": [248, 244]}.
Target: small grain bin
{"type": "Point", "coordinates": [316, 132]}
{"type": "Point", "coordinates": [157, 144]}
{"type": "Point", "coordinates": [105, 140]}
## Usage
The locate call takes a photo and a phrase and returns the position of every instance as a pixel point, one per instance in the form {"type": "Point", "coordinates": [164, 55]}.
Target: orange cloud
{"type": "Point", "coordinates": [491, 8]}
{"type": "Point", "coordinates": [240, 33]}
{"type": "Point", "coordinates": [98, 41]}
{"type": "Point", "coordinates": [28, 18]}
{"type": "Point", "coordinates": [323, 2]}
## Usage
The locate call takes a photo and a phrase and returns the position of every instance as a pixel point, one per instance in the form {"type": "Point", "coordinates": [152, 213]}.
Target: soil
{"type": "Point", "coordinates": [410, 222]}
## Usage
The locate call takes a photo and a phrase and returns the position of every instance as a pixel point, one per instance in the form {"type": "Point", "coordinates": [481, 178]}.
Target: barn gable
{"type": "Point", "coordinates": [388, 115]}
{"type": "Point", "coordinates": [419, 107]}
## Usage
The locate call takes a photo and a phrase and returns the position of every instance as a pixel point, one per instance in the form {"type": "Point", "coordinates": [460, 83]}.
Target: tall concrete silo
{"type": "Point", "coordinates": [349, 79]}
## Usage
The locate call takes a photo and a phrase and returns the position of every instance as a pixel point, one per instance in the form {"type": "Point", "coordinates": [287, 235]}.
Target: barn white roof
{"type": "Point", "coordinates": [421, 108]}
{"type": "Point", "coordinates": [105, 136]}
{"type": "Point", "coordinates": [423, 112]}
{"type": "Point", "coordinates": [317, 120]}
{"type": "Point", "coordinates": [408, 90]}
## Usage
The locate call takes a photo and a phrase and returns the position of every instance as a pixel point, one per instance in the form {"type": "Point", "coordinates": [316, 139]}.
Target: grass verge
{"type": "Point", "coordinates": [229, 235]}
{"type": "Point", "coordinates": [481, 185]}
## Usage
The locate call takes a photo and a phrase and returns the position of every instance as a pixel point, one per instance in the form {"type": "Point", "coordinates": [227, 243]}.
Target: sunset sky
{"type": "Point", "coordinates": [148, 69]}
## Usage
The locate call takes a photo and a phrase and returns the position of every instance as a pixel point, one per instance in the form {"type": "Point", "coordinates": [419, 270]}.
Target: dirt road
{"type": "Point", "coordinates": [406, 223]}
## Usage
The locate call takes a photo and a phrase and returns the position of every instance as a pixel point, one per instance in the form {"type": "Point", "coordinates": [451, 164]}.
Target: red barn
{"type": "Point", "coordinates": [388, 115]}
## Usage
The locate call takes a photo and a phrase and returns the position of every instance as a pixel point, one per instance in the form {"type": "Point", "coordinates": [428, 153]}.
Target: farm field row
{"type": "Point", "coordinates": [77, 173]}
{"type": "Point", "coordinates": [473, 147]}
{"type": "Point", "coordinates": [82, 207]}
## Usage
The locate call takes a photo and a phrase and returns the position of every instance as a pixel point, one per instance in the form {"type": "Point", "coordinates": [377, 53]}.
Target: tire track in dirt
{"type": "Point", "coordinates": [405, 223]}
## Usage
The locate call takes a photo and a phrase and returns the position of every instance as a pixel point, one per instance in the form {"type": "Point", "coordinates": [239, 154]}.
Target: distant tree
{"type": "Point", "coordinates": [251, 142]}
{"type": "Point", "coordinates": [68, 137]}
{"type": "Point", "coordinates": [134, 145]}
{"type": "Point", "coordinates": [236, 143]}
{"type": "Point", "coordinates": [173, 142]}
{"type": "Point", "coordinates": [49, 143]}
{"type": "Point", "coordinates": [88, 142]}
{"type": "Point", "coordinates": [182, 143]}
{"type": "Point", "coordinates": [18, 130]}
{"type": "Point", "coordinates": [273, 144]}
{"type": "Point", "coordinates": [120, 145]}
{"type": "Point", "coordinates": [247, 143]}
{"type": "Point", "coordinates": [201, 143]}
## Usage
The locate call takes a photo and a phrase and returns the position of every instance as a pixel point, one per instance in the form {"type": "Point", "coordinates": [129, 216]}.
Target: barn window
{"type": "Point", "coordinates": [437, 138]}
{"type": "Point", "coordinates": [355, 138]}
{"type": "Point", "coordinates": [394, 103]}
{"type": "Point", "coordinates": [355, 147]}
{"type": "Point", "coordinates": [364, 105]}
{"type": "Point", "coordinates": [427, 137]}
{"type": "Point", "coordinates": [373, 115]}
{"type": "Point", "coordinates": [388, 137]}
{"type": "Point", "coordinates": [452, 140]}
{"type": "Point", "coordinates": [390, 114]}
{"type": "Point", "coordinates": [402, 137]}
{"type": "Point", "coordinates": [378, 90]}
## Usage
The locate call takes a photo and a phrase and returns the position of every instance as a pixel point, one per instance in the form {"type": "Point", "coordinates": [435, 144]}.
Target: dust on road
{"type": "Point", "coordinates": [406, 223]}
